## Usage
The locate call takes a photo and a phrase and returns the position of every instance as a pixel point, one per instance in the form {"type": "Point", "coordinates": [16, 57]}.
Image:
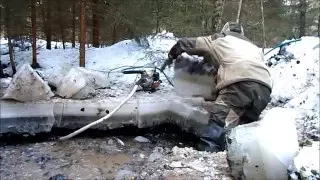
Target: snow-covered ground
{"type": "Point", "coordinates": [121, 55]}
{"type": "Point", "coordinates": [296, 84]}
{"type": "Point", "coordinates": [296, 81]}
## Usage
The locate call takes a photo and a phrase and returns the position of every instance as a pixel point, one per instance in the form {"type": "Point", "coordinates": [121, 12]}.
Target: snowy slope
{"type": "Point", "coordinates": [296, 85]}
{"type": "Point", "coordinates": [125, 53]}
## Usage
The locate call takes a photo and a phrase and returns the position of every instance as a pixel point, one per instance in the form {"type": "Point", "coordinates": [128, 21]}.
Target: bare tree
{"type": "Point", "coordinates": [1, 69]}
{"type": "Point", "coordinates": [61, 24]}
{"type": "Point", "coordinates": [158, 16]}
{"type": "Point", "coordinates": [49, 24]}
{"type": "Point", "coordinates": [239, 11]}
{"type": "Point", "coordinates": [82, 32]}
{"type": "Point", "coordinates": [34, 34]}
{"type": "Point", "coordinates": [46, 20]}
{"type": "Point", "coordinates": [217, 15]}
{"type": "Point", "coordinates": [74, 24]}
{"type": "Point", "coordinates": [221, 14]}
{"type": "Point", "coordinates": [95, 24]}
{"type": "Point", "coordinates": [263, 28]}
{"type": "Point", "coordinates": [319, 26]}
{"type": "Point", "coordinates": [8, 28]}
{"type": "Point", "coordinates": [302, 23]}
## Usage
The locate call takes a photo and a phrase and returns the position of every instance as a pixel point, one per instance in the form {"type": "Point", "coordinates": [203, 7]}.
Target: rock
{"type": "Point", "coordinates": [176, 164]}
{"type": "Point", "coordinates": [27, 85]}
{"type": "Point", "coordinates": [155, 156]}
{"type": "Point", "coordinates": [143, 174]}
{"type": "Point", "coordinates": [5, 82]}
{"type": "Point", "coordinates": [125, 174]}
{"type": "Point", "coordinates": [141, 139]}
{"type": "Point", "coordinates": [58, 177]}
{"type": "Point", "coordinates": [110, 142]}
{"type": "Point", "coordinates": [79, 83]}
{"type": "Point", "coordinates": [41, 160]}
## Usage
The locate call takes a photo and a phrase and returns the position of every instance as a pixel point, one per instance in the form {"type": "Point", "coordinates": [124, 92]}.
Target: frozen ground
{"type": "Point", "coordinates": [296, 81]}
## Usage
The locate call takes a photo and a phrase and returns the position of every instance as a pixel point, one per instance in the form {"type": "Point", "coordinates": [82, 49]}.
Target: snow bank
{"type": "Point", "coordinates": [296, 85]}
{"type": "Point", "coordinates": [307, 161]}
{"type": "Point", "coordinates": [125, 53]}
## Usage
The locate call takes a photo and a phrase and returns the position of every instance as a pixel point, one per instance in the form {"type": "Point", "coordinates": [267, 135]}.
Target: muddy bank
{"type": "Point", "coordinates": [109, 155]}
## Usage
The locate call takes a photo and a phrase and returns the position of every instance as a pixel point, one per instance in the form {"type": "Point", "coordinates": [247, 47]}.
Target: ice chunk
{"type": "Point", "coordinates": [5, 82]}
{"type": "Point", "coordinates": [141, 139]}
{"type": "Point", "coordinates": [194, 78]}
{"type": "Point", "coordinates": [80, 83]}
{"type": "Point", "coordinates": [27, 85]}
{"type": "Point", "coordinates": [73, 82]}
{"type": "Point", "coordinates": [97, 79]}
{"type": "Point", "coordinates": [264, 149]}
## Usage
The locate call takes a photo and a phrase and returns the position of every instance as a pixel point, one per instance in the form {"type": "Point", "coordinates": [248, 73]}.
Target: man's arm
{"type": "Point", "coordinates": [189, 46]}
{"type": "Point", "coordinates": [200, 46]}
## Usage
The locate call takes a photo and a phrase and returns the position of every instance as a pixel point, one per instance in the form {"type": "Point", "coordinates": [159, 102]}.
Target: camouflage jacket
{"type": "Point", "coordinates": [236, 58]}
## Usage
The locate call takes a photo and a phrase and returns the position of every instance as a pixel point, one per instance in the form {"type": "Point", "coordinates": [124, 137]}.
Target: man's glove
{"type": "Point", "coordinates": [175, 51]}
{"type": "Point", "coordinates": [183, 45]}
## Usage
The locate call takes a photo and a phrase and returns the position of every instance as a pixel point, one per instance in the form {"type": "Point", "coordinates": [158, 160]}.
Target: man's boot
{"type": "Point", "coordinates": [212, 138]}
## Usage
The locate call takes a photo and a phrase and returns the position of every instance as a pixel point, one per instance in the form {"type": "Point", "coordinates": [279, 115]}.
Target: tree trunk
{"type": "Point", "coordinates": [263, 28]}
{"type": "Point", "coordinates": [74, 24]}
{"type": "Point", "coordinates": [303, 10]}
{"type": "Point", "coordinates": [61, 25]}
{"type": "Point", "coordinates": [95, 24]}
{"type": "Point", "coordinates": [158, 16]}
{"type": "Point", "coordinates": [131, 32]}
{"type": "Point", "coordinates": [1, 69]}
{"type": "Point", "coordinates": [239, 11]}
{"type": "Point", "coordinates": [49, 25]}
{"type": "Point", "coordinates": [319, 26]}
{"type": "Point", "coordinates": [221, 14]}
{"type": "Point", "coordinates": [2, 75]}
{"type": "Point", "coordinates": [8, 28]}
{"type": "Point", "coordinates": [82, 32]}
{"type": "Point", "coordinates": [215, 20]}
{"type": "Point", "coordinates": [34, 34]}
{"type": "Point", "coordinates": [114, 33]}
{"type": "Point", "coordinates": [202, 17]}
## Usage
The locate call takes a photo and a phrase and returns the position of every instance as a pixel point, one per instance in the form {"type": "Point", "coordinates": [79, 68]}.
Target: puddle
{"type": "Point", "coordinates": [93, 155]}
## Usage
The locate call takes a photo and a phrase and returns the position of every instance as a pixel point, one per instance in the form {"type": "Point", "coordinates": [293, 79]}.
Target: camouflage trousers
{"type": "Point", "coordinates": [238, 103]}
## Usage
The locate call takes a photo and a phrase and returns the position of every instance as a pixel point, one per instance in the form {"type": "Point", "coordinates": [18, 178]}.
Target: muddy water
{"type": "Point", "coordinates": [84, 157]}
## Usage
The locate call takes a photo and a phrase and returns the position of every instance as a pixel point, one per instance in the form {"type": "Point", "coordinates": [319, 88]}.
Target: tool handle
{"type": "Point", "coordinates": [164, 65]}
{"type": "Point", "coordinates": [133, 72]}
{"type": "Point", "coordinates": [166, 62]}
